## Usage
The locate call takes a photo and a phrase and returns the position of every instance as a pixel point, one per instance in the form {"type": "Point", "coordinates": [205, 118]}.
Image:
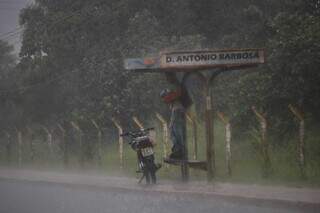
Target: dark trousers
{"type": "Point", "coordinates": [178, 130]}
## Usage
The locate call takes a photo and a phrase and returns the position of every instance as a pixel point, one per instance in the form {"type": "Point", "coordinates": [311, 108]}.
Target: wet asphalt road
{"type": "Point", "coordinates": [31, 197]}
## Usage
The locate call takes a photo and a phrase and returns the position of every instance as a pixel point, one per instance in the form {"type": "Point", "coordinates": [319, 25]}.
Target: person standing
{"type": "Point", "coordinates": [178, 99]}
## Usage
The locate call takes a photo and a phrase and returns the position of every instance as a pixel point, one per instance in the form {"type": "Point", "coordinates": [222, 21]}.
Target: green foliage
{"type": "Point", "coordinates": [8, 97]}
{"type": "Point", "coordinates": [78, 48]}
{"type": "Point", "coordinates": [291, 39]}
{"type": "Point", "coordinates": [7, 60]}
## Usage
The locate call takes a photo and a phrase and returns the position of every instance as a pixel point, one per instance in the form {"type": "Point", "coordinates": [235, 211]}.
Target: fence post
{"type": "Point", "coordinates": [301, 145]}
{"type": "Point", "coordinates": [165, 136]}
{"type": "Point", "coordinates": [120, 130]}
{"type": "Point", "coordinates": [99, 141]}
{"type": "Point", "coordinates": [49, 139]}
{"type": "Point", "coordinates": [32, 150]}
{"type": "Point", "coordinates": [140, 125]}
{"type": "Point", "coordinates": [227, 127]}
{"type": "Point", "coordinates": [19, 136]}
{"type": "Point", "coordinates": [137, 122]}
{"type": "Point", "coordinates": [77, 128]}
{"type": "Point", "coordinates": [193, 122]}
{"type": "Point", "coordinates": [8, 147]}
{"type": "Point", "coordinates": [264, 142]}
{"type": "Point", "coordinates": [64, 146]}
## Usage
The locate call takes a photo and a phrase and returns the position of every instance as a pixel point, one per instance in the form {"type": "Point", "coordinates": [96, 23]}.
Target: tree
{"type": "Point", "coordinates": [7, 59]}
{"type": "Point", "coordinates": [75, 50]}
{"type": "Point", "coordinates": [290, 74]}
{"type": "Point", "coordinates": [9, 110]}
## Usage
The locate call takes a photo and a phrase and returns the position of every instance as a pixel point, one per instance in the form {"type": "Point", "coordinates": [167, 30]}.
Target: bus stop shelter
{"type": "Point", "coordinates": [207, 65]}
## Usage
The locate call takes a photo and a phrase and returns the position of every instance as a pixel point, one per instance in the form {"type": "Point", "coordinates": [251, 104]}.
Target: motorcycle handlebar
{"type": "Point", "coordinates": [136, 132]}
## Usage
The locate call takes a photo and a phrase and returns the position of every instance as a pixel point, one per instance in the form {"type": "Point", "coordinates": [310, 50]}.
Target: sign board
{"type": "Point", "coordinates": [218, 58]}
{"type": "Point", "coordinates": [141, 63]}
{"type": "Point", "coordinates": [184, 60]}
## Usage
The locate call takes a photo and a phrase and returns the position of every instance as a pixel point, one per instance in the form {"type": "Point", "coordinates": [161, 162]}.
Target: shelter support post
{"type": "Point", "coordinates": [227, 127]}
{"type": "Point", "coordinates": [210, 152]}
{"type": "Point", "coordinates": [193, 122]}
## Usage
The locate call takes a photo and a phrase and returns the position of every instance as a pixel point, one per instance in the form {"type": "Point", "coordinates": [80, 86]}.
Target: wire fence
{"type": "Point", "coordinates": [91, 145]}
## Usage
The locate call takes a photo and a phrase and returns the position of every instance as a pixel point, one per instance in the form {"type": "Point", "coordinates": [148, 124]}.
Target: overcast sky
{"type": "Point", "coordinates": [9, 20]}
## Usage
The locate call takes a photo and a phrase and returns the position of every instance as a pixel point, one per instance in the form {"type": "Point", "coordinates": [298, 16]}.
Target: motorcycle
{"type": "Point", "coordinates": [141, 142]}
